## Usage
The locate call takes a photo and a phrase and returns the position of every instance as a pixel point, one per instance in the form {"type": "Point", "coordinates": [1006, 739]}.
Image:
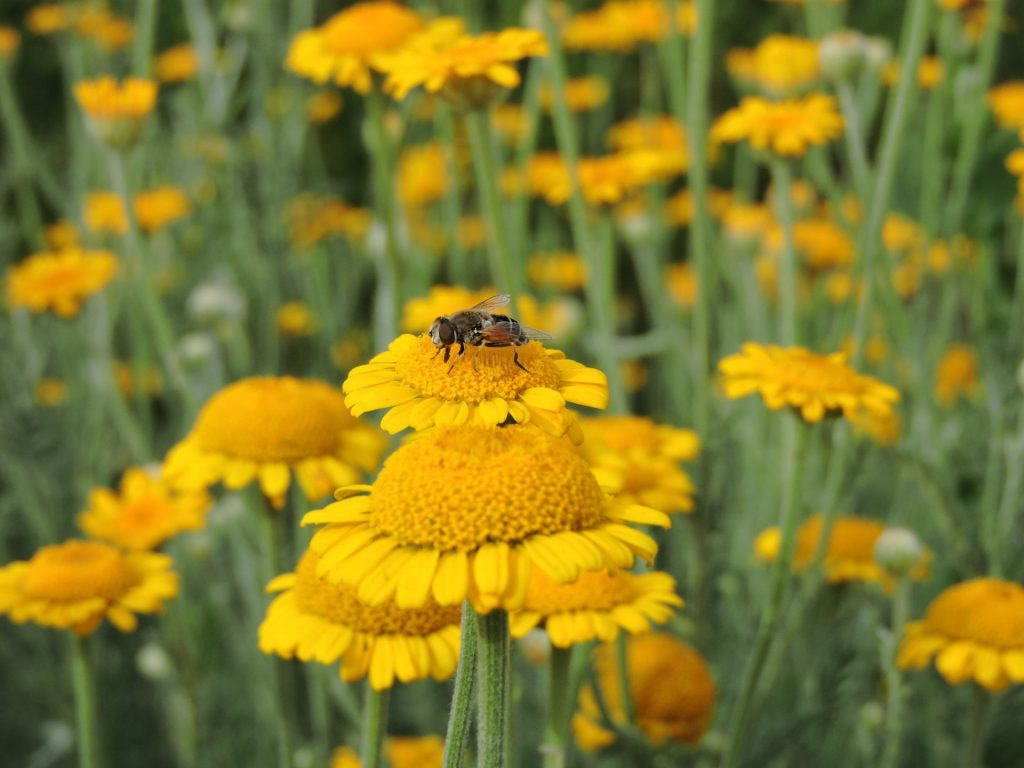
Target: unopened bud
{"type": "Point", "coordinates": [898, 550]}
{"type": "Point", "coordinates": [841, 55]}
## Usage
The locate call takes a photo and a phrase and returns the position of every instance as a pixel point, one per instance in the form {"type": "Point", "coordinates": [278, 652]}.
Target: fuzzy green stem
{"type": "Point", "coordinates": [493, 648]}
{"type": "Point", "coordinates": [375, 724]}
{"type": "Point", "coordinates": [975, 743]}
{"type": "Point", "coordinates": [559, 685]}
{"type": "Point", "coordinates": [320, 711]}
{"type": "Point", "coordinates": [894, 675]}
{"type": "Point", "coordinates": [29, 216]}
{"type": "Point", "coordinates": [782, 188]}
{"type": "Point", "coordinates": [273, 551]}
{"type": "Point", "coordinates": [1003, 519]}
{"type": "Point", "coordinates": [793, 438]}
{"type": "Point", "coordinates": [451, 204]}
{"type": "Point", "coordinates": [856, 152]}
{"type": "Point", "coordinates": [1017, 312]}
{"type": "Point", "coordinates": [142, 49]}
{"type": "Point", "coordinates": [460, 716]}
{"type": "Point", "coordinates": [83, 674]}
{"type": "Point", "coordinates": [505, 272]}
{"type": "Point", "coordinates": [622, 675]}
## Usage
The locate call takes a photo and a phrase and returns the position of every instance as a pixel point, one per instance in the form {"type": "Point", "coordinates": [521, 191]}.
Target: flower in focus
{"type": "Point", "coordinates": [59, 281]}
{"type": "Point", "coordinates": [596, 606]}
{"type": "Point", "coordinates": [582, 94]}
{"type": "Point", "coordinates": [260, 429]}
{"type": "Point", "coordinates": [116, 110]}
{"type": "Point", "coordinates": [786, 128]}
{"type": "Point", "coordinates": [294, 318]}
{"type": "Point", "coordinates": [313, 620]}
{"type": "Point", "coordinates": [468, 513]}
{"type": "Point", "coordinates": [640, 459]}
{"type": "Point", "coordinates": [346, 48]}
{"type": "Point", "coordinates": [422, 175]}
{"type": "Point", "coordinates": [143, 513]}
{"type": "Point", "coordinates": [421, 390]}
{"type": "Point", "coordinates": [973, 630]}
{"type": "Point", "coordinates": [323, 106]}
{"type": "Point", "coordinates": [77, 584]}
{"type": "Point", "coordinates": [671, 688]}
{"type": "Point", "coordinates": [104, 212]}
{"type": "Point", "coordinates": [563, 270]}
{"type": "Point", "coordinates": [177, 64]}
{"type": "Point", "coordinates": [470, 71]}
{"type": "Point", "coordinates": [1007, 103]}
{"type": "Point", "coordinates": [155, 208]}
{"type": "Point", "coordinates": [815, 385]}
{"type": "Point", "coordinates": [956, 375]}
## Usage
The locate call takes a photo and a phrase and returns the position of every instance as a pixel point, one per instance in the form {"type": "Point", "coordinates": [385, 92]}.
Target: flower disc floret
{"type": "Point", "coordinates": [470, 511]}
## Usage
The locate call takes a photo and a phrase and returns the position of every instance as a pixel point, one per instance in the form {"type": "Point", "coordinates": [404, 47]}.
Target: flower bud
{"type": "Point", "coordinates": [877, 53]}
{"type": "Point", "coordinates": [841, 55]}
{"type": "Point", "coordinates": [898, 550]}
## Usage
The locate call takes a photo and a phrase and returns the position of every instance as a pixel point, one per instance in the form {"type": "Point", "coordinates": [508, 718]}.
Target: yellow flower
{"type": "Point", "coordinates": [261, 429]}
{"type": "Point", "coordinates": [106, 28]}
{"type": "Point", "coordinates": [468, 513]}
{"type": "Point", "coordinates": [563, 270]}
{"type": "Point", "coordinates": [582, 94]}
{"type": "Point", "coordinates": [144, 513]}
{"type": "Point", "coordinates": [1007, 103]}
{"type": "Point", "coordinates": [311, 218]}
{"type": "Point", "coordinates": [746, 223]}
{"type": "Point", "coordinates": [876, 351]}
{"type": "Point", "coordinates": [47, 18]}
{"type": "Point", "coordinates": [681, 282]}
{"type": "Point", "coordinates": [156, 208]}
{"type": "Point", "coordinates": [885, 430]}
{"type": "Point", "coordinates": [786, 128]}
{"type": "Point", "coordinates": [116, 111]}
{"type": "Point", "coordinates": [294, 318]}
{"type": "Point", "coordinates": [595, 606]}
{"type": "Point", "coordinates": [415, 751]}
{"type": "Point", "coordinates": [177, 64]}
{"type": "Point", "coordinates": [822, 243]}
{"type": "Point", "coordinates": [345, 757]}
{"type": "Point", "coordinates": [622, 25]}
{"type": "Point", "coordinates": [323, 106]}
{"type": "Point", "coordinates": [510, 121]}
{"type": "Point", "coordinates": [77, 584]}
{"type": "Point", "coordinates": [421, 390]}
{"type": "Point", "coordinates": [901, 233]}
{"type": "Point", "coordinates": [126, 377]}
{"type": "Point", "coordinates": [469, 70]}
{"type": "Point", "coordinates": [782, 65]}
{"type": "Point", "coordinates": [345, 49]}
{"type": "Point", "coordinates": [957, 374]}
{"type": "Point", "coordinates": [61, 235]}
{"type": "Point", "coordinates": [639, 459]}
{"type": "Point", "coordinates": [9, 41]}
{"type": "Point", "coordinates": [51, 392]}
{"type": "Point", "coordinates": [671, 687]}
{"type": "Point", "coordinates": [603, 180]}
{"type": "Point", "coordinates": [973, 630]}
{"type": "Point", "coordinates": [59, 281]}
{"type": "Point", "coordinates": [422, 175]}
{"type": "Point", "coordinates": [662, 137]}
{"type": "Point", "coordinates": [815, 385]}
{"type": "Point", "coordinates": [472, 231]}
{"type": "Point", "coordinates": [104, 212]}
{"type": "Point", "coordinates": [313, 620]}
{"type": "Point", "coordinates": [929, 72]}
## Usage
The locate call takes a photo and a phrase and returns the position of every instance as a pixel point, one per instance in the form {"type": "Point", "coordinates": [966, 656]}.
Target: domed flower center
{"type": "Point", "coordinates": [140, 517]}
{"type": "Point", "coordinates": [273, 419]}
{"type": "Point", "coordinates": [594, 591]}
{"type": "Point", "coordinates": [481, 373]}
{"type": "Point", "coordinates": [851, 540]}
{"type": "Point", "coordinates": [79, 570]}
{"type": "Point", "coordinates": [369, 28]}
{"type": "Point", "coordinates": [986, 611]}
{"type": "Point", "coordinates": [339, 605]}
{"type": "Point", "coordinates": [461, 488]}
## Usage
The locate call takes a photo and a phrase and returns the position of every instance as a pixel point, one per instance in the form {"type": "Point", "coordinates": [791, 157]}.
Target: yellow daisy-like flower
{"type": "Point", "coordinates": [48, 18]}
{"type": "Point", "coordinates": [682, 283]}
{"type": "Point", "coordinates": [604, 180]}
{"type": "Point", "coordinates": [786, 128]}
{"type": "Point", "coordinates": [420, 390]}
{"type": "Point", "coordinates": [468, 513]}
{"type": "Point", "coordinates": [61, 235]}
{"type": "Point", "coordinates": [313, 620]}
{"type": "Point", "coordinates": [9, 41]}
{"type": "Point", "coordinates": [784, 64]}
{"type": "Point", "coordinates": [144, 513]}
{"type": "Point", "coordinates": [59, 281]}
{"type": "Point", "coordinates": [671, 687]}
{"type": "Point", "coordinates": [469, 70]}
{"type": "Point", "coordinates": [422, 175]}
{"type": "Point", "coordinates": [415, 751]}
{"type": "Point", "coordinates": [108, 29]}
{"type": "Point", "coordinates": [595, 606]}
{"type": "Point", "coordinates": [663, 136]}
{"type": "Point", "coordinates": [104, 212]}
{"type": "Point", "coordinates": [345, 49]}
{"type": "Point", "coordinates": [177, 64]}
{"type": "Point", "coordinates": [116, 111]}
{"type": "Point", "coordinates": [640, 460]}
{"type": "Point", "coordinates": [957, 374]}
{"type": "Point", "coordinates": [262, 429]}
{"type": "Point", "coordinates": [311, 218]}
{"type": "Point", "coordinates": [323, 106]}
{"type": "Point", "coordinates": [582, 94]}
{"type": "Point", "coordinates": [51, 392]}
{"type": "Point", "coordinates": [563, 270]}
{"type": "Point", "coordinates": [295, 318]}
{"type": "Point", "coordinates": [1007, 103]}
{"type": "Point", "coordinates": [974, 631]}
{"type": "Point", "coordinates": [156, 208]}
{"type": "Point", "coordinates": [822, 243]}
{"type": "Point", "coordinates": [815, 385]}
{"type": "Point", "coordinates": [75, 585]}
{"type": "Point", "coordinates": [622, 25]}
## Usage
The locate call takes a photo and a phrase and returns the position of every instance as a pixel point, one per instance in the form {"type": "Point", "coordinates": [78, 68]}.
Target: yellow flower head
{"type": "Point", "coordinates": [294, 318]}
{"type": "Point", "coordinates": [61, 235]}
{"type": "Point", "coordinates": [604, 180]}
{"type": "Point", "coordinates": [639, 459]}
{"type": "Point", "coordinates": [563, 270]}
{"type": "Point", "coordinates": [468, 513]}
{"type": "Point", "coordinates": [671, 687]}
{"type": "Point", "coordinates": [596, 606]}
{"type": "Point", "coordinates": [177, 64]}
{"type": "Point", "coordinates": [311, 218]}
{"type": "Point", "coordinates": [9, 41]}
{"type": "Point", "coordinates": [421, 390]}
{"type": "Point", "coordinates": [116, 110]}
{"type": "Point", "coordinates": [974, 631]}
{"type": "Point", "coordinates": [313, 620]}
{"type": "Point", "coordinates": [822, 243]}
{"type": "Point", "coordinates": [104, 212]}
{"type": "Point", "coordinates": [51, 392]}
{"type": "Point", "coordinates": [682, 283]}
{"type": "Point", "coordinates": [144, 513]}
{"type": "Point", "coordinates": [622, 25]}
{"type": "Point", "coordinates": [415, 751]}
{"type": "Point", "coordinates": [782, 65]}
{"type": "Point", "coordinates": [957, 374]}
{"type": "Point", "coordinates": [129, 382]}
{"type": "Point", "coordinates": [1007, 103]}
{"type": "Point", "coordinates": [156, 208]}
{"type": "Point", "coordinates": [323, 106]}
{"type": "Point", "coordinates": [662, 137]}
{"type": "Point", "coordinates": [59, 281]}
{"type": "Point", "coordinates": [106, 28]}
{"type": "Point", "coordinates": [815, 385]}
{"type": "Point", "coordinates": [901, 233]}
{"type": "Point", "coordinates": [786, 128]}
{"type": "Point", "coordinates": [582, 94]}
{"type": "Point", "coordinates": [346, 48]}
{"type": "Point", "coordinates": [75, 585]}
{"type": "Point", "coordinates": [48, 18]}
{"type": "Point", "coordinates": [261, 429]}
{"type": "Point", "coordinates": [929, 72]}
{"type": "Point", "coordinates": [422, 175]}
{"type": "Point", "coordinates": [470, 71]}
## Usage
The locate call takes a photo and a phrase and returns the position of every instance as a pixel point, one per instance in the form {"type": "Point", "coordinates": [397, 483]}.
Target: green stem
{"type": "Point", "coordinates": [856, 152]}
{"type": "Point", "coordinates": [975, 744]}
{"type": "Point", "coordinates": [319, 707]}
{"type": "Point", "coordinates": [142, 50]}
{"type": "Point", "coordinates": [1017, 312]}
{"type": "Point", "coordinates": [893, 134]}
{"type": "Point", "coordinates": [559, 707]}
{"type": "Point", "coordinates": [389, 272]}
{"type": "Point", "coordinates": [1002, 527]}
{"type": "Point", "coordinates": [451, 204]}
{"type": "Point", "coordinates": [793, 437]}
{"type": "Point", "coordinates": [375, 724]}
{"type": "Point", "coordinates": [85, 702]}
{"type": "Point", "coordinates": [505, 272]}
{"type": "Point", "coordinates": [29, 216]}
{"type": "Point", "coordinates": [782, 187]}
{"type": "Point", "coordinates": [460, 716]}
{"type": "Point", "coordinates": [622, 675]}
{"type": "Point", "coordinates": [273, 552]}
{"type": "Point", "coordinates": [493, 647]}
{"type": "Point", "coordinates": [520, 230]}
{"type": "Point", "coordinates": [894, 675]}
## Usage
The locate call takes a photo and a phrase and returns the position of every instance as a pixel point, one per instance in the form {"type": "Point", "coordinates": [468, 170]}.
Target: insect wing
{"type": "Point", "coordinates": [495, 302]}
{"type": "Point", "coordinates": [514, 332]}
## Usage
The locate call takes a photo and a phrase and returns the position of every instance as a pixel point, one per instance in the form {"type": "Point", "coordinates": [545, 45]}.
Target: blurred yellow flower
{"type": "Point", "coordinates": [900, 233]}
{"type": "Point", "coordinates": [786, 128]}
{"type": "Point", "coordinates": [930, 72]}
{"type": "Point", "coordinates": [323, 106]}
{"type": "Point", "coordinates": [155, 208]}
{"type": "Point", "coordinates": [177, 64]}
{"type": "Point", "coordinates": [77, 584]}
{"type": "Point", "coordinates": [311, 218]}
{"type": "Point", "coordinates": [681, 282]}
{"type": "Point", "coordinates": [59, 281]}
{"type": "Point", "coordinates": [414, 751]}
{"type": "Point", "coordinates": [582, 94]}
{"type": "Point", "coordinates": [974, 631]}
{"type": "Point", "coordinates": [60, 235]}
{"type": "Point", "coordinates": [47, 18]}
{"type": "Point", "coordinates": [603, 180]}
{"type": "Point", "coordinates": [423, 174]}
{"type": "Point", "coordinates": [143, 513]}
{"type": "Point", "coordinates": [294, 318]}
{"type": "Point", "coordinates": [9, 41]}
{"type": "Point", "coordinates": [884, 429]}
{"type": "Point", "coordinates": [821, 243]}
{"type": "Point", "coordinates": [510, 121]}
{"type": "Point", "coordinates": [126, 378]}
{"type": "Point", "coordinates": [51, 392]}
{"type": "Point", "coordinates": [957, 375]}
{"type": "Point", "coordinates": [116, 110]}
{"type": "Point", "coordinates": [876, 351]}
{"type": "Point", "coordinates": [108, 29]}
{"type": "Point", "coordinates": [345, 757]}
{"type": "Point", "coordinates": [1007, 103]}
{"type": "Point", "coordinates": [563, 270]}
{"type": "Point", "coordinates": [104, 212]}
{"type": "Point", "coordinates": [783, 65]}
{"type": "Point", "coordinates": [661, 138]}
{"type": "Point", "coordinates": [622, 25]}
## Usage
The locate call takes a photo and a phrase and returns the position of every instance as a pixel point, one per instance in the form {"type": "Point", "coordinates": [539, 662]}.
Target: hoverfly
{"type": "Point", "coordinates": [482, 326]}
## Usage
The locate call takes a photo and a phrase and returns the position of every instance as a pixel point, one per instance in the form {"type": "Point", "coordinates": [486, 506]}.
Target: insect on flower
{"type": "Point", "coordinates": [482, 326]}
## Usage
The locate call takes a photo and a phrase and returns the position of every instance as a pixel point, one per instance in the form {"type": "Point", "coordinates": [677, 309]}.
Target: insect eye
{"type": "Point", "coordinates": [445, 332]}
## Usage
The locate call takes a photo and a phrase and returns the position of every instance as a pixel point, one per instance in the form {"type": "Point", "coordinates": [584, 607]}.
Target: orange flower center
{"type": "Point", "coordinates": [369, 28]}
{"type": "Point", "coordinates": [988, 611]}
{"type": "Point", "coordinates": [79, 570]}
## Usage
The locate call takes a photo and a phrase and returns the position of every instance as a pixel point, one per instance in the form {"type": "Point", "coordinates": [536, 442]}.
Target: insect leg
{"type": "Point", "coordinates": [447, 353]}
{"type": "Point", "coordinates": [515, 358]}
{"type": "Point", "coordinates": [462, 351]}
